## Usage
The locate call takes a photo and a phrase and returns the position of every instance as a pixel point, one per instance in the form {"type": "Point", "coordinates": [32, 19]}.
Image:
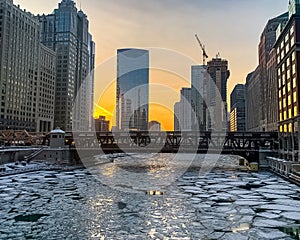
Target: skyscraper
{"type": "Point", "coordinates": [253, 102]}
{"type": "Point", "coordinates": [27, 73]}
{"type": "Point", "coordinates": [132, 89]}
{"type": "Point", "coordinates": [217, 93]}
{"type": "Point", "coordinates": [200, 78]}
{"type": "Point", "coordinates": [237, 109]}
{"type": "Point", "coordinates": [268, 86]}
{"type": "Point", "coordinates": [183, 111]}
{"type": "Point", "coordinates": [66, 31]}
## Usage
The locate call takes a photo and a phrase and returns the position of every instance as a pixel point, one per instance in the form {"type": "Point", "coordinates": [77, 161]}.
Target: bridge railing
{"type": "Point", "coordinates": [176, 139]}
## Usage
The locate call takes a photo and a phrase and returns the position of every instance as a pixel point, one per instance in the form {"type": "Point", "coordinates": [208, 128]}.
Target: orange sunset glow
{"type": "Point", "coordinates": [232, 28]}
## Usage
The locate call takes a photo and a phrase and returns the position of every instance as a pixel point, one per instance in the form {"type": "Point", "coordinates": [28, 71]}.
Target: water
{"type": "Point", "coordinates": [223, 204]}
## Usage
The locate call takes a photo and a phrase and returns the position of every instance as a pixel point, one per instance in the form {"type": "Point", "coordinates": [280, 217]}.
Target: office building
{"type": "Point", "coordinates": [261, 87]}
{"type": "Point", "coordinates": [101, 124]}
{"type": "Point", "coordinates": [199, 80]}
{"type": "Point", "coordinates": [154, 126]}
{"type": "Point", "coordinates": [27, 73]}
{"type": "Point", "coordinates": [66, 32]}
{"type": "Point", "coordinates": [237, 109]}
{"type": "Point", "coordinates": [268, 86]}
{"type": "Point", "coordinates": [271, 94]}
{"type": "Point", "coordinates": [183, 111]}
{"type": "Point", "coordinates": [253, 102]}
{"type": "Point", "coordinates": [217, 94]}
{"type": "Point", "coordinates": [46, 90]}
{"type": "Point", "coordinates": [132, 89]}
{"type": "Point", "coordinates": [287, 49]}
{"type": "Point", "coordinates": [177, 114]}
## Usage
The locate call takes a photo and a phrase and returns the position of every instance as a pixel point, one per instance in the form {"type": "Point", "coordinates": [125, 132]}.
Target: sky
{"type": "Point", "coordinates": [167, 28]}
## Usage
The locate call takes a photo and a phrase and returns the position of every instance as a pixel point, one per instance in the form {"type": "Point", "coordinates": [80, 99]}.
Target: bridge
{"type": "Point", "coordinates": [245, 144]}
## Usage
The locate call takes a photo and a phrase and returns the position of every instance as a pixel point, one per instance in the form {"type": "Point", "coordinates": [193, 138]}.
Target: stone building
{"type": "Point", "coordinates": [27, 73]}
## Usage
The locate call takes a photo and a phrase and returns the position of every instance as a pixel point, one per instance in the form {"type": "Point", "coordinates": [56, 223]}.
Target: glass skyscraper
{"type": "Point", "coordinates": [132, 89]}
{"type": "Point", "coordinates": [66, 31]}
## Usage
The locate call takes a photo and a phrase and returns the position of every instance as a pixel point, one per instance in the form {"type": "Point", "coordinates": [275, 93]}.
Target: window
{"type": "Point", "coordinates": [279, 83]}
{"type": "Point", "coordinates": [293, 56]}
{"type": "Point", "coordinates": [292, 30]}
{"type": "Point", "coordinates": [280, 105]}
{"type": "Point", "coordinates": [285, 127]}
{"type": "Point", "coordinates": [290, 127]}
{"type": "Point", "coordinates": [292, 41]}
{"type": "Point", "coordinates": [284, 115]}
{"type": "Point", "coordinates": [294, 82]}
{"type": "Point", "coordinates": [294, 69]}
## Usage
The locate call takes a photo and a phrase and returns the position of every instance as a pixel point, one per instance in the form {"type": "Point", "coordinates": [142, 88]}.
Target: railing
{"type": "Point", "coordinates": [34, 154]}
{"type": "Point", "coordinates": [173, 140]}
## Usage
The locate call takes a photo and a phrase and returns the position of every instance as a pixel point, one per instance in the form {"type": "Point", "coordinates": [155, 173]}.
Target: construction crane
{"type": "Point", "coordinates": [203, 49]}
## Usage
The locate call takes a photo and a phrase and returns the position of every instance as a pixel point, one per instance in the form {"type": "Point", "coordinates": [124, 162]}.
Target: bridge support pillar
{"type": "Point", "coordinates": [263, 154]}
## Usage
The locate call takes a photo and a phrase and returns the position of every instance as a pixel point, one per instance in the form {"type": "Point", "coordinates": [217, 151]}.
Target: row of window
{"type": "Point", "coordinates": [288, 114]}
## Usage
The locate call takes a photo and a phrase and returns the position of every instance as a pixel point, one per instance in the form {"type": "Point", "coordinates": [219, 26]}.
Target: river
{"type": "Point", "coordinates": [113, 201]}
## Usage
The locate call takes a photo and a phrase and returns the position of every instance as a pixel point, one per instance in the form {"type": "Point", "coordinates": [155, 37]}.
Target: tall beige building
{"type": "Point", "coordinates": [27, 74]}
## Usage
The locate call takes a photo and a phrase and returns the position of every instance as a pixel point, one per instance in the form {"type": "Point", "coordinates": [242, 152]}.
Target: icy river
{"type": "Point", "coordinates": [113, 201]}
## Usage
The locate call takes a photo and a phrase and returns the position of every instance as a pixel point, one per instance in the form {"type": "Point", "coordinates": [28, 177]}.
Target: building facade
{"type": "Point", "coordinates": [46, 90]}
{"type": "Point", "coordinates": [267, 87]}
{"type": "Point", "coordinates": [199, 80]}
{"type": "Point", "coordinates": [101, 124]}
{"type": "Point", "coordinates": [177, 112]}
{"type": "Point", "coordinates": [287, 48]}
{"type": "Point", "coordinates": [217, 94]}
{"type": "Point", "coordinates": [253, 102]}
{"type": "Point", "coordinates": [183, 111]}
{"type": "Point", "coordinates": [27, 73]}
{"type": "Point", "coordinates": [261, 87]}
{"type": "Point", "coordinates": [237, 109]}
{"type": "Point", "coordinates": [271, 94]}
{"type": "Point", "coordinates": [154, 126]}
{"type": "Point", "coordinates": [132, 89]}
{"type": "Point", "coordinates": [66, 32]}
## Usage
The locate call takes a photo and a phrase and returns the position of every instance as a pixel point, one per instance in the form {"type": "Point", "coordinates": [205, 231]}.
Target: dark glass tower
{"type": "Point", "coordinates": [237, 109]}
{"type": "Point", "coordinates": [132, 89]}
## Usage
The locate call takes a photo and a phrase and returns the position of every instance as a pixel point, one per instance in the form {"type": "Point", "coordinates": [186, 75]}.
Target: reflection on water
{"type": "Point", "coordinates": [154, 192]}
{"type": "Point", "coordinates": [241, 227]}
{"type": "Point", "coordinates": [293, 231]}
{"type": "Point", "coordinates": [142, 172]}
